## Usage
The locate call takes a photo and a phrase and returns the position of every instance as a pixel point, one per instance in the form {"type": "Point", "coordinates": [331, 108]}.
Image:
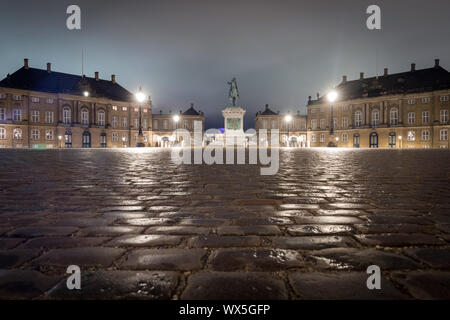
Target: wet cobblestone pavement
{"type": "Point", "coordinates": [142, 227]}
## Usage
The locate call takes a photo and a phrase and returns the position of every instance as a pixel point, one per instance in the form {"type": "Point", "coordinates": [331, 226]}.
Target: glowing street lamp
{"type": "Point", "coordinates": [59, 138]}
{"type": "Point", "coordinates": [332, 96]}
{"type": "Point", "coordinates": [400, 138]}
{"type": "Point", "coordinates": [86, 93]}
{"type": "Point", "coordinates": [288, 119]}
{"type": "Point", "coordinates": [140, 97]}
{"type": "Point", "coordinates": [176, 118]}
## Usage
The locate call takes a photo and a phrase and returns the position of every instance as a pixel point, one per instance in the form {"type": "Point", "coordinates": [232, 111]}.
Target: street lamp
{"type": "Point", "coordinates": [332, 96]}
{"type": "Point", "coordinates": [140, 97]}
{"type": "Point", "coordinates": [60, 138]}
{"type": "Point", "coordinates": [400, 141]}
{"type": "Point", "coordinates": [176, 118]}
{"type": "Point", "coordinates": [288, 119]}
{"type": "Point", "coordinates": [86, 93]}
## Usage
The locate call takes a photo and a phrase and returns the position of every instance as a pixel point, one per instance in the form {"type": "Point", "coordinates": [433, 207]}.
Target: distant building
{"type": "Point", "coordinates": [403, 110]}
{"type": "Point", "coordinates": [292, 128]}
{"type": "Point", "coordinates": [48, 109]}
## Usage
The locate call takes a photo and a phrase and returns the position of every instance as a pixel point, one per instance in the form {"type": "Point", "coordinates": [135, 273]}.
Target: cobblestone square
{"type": "Point", "coordinates": [142, 227]}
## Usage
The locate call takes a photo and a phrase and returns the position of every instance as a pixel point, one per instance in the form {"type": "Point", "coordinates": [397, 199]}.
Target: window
{"type": "Point", "coordinates": [35, 116]}
{"type": "Point", "coordinates": [115, 122]}
{"type": "Point", "coordinates": [101, 118]}
{"type": "Point", "coordinates": [394, 116]}
{"type": "Point", "coordinates": [124, 122]}
{"type": "Point", "coordinates": [411, 117]}
{"type": "Point", "coordinates": [2, 133]}
{"type": "Point", "coordinates": [136, 109]}
{"type": "Point", "coordinates": [49, 101]}
{"type": "Point", "coordinates": [443, 135]}
{"type": "Point", "coordinates": [2, 113]}
{"type": "Point", "coordinates": [103, 140]}
{"type": "Point", "coordinates": [115, 136]}
{"type": "Point", "coordinates": [375, 117]}
{"type": "Point", "coordinates": [411, 101]}
{"type": "Point", "coordinates": [17, 97]}
{"type": "Point", "coordinates": [17, 115]}
{"type": "Point", "coordinates": [425, 117]}
{"type": "Point", "coordinates": [344, 137]}
{"type": "Point", "coordinates": [314, 124]}
{"type": "Point", "coordinates": [444, 116]}
{"type": "Point", "coordinates": [313, 138]}
{"type": "Point", "coordinates": [114, 108]}
{"type": "Point", "coordinates": [145, 124]}
{"type": "Point", "coordinates": [86, 139]}
{"type": "Point", "coordinates": [322, 123]}
{"type": "Point", "coordinates": [67, 117]}
{"type": "Point", "coordinates": [322, 137]}
{"type": "Point", "coordinates": [358, 118]}
{"type": "Point", "coordinates": [124, 108]}
{"type": "Point", "coordinates": [49, 135]}
{"type": "Point", "coordinates": [17, 134]}
{"type": "Point", "coordinates": [335, 122]}
{"type": "Point", "coordinates": [345, 108]}
{"type": "Point", "coordinates": [2, 96]}
{"type": "Point", "coordinates": [165, 124]}
{"type": "Point", "coordinates": [392, 140]}
{"type": "Point", "coordinates": [35, 99]}
{"type": "Point", "coordinates": [443, 98]}
{"type": "Point", "coordinates": [48, 116]}
{"type": "Point", "coordinates": [155, 124]}
{"type": "Point", "coordinates": [84, 117]}
{"type": "Point", "coordinates": [426, 100]}
{"type": "Point", "coordinates": [185, 124]}
{"type": "Point", "coordinates": [425, 135]}
{"type": "Point", "coordinates": [68, 138]}
{"type": "Point", "coordinates": [35, 134]}
{"type": "Point", "coordinates": [136, 123]}
{"type": "Point", "coordinates": [344, 122]}
{"type": "Point", "coordinates": [124, 137]}
{"type": "Point", "coordinates": [144, 110]}
{"type": "Point", "coordinates": [411, 136]}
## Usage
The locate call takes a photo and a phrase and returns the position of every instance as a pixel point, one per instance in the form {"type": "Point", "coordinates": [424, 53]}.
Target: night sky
{"type": "Point", "coordinates": [185, 51]}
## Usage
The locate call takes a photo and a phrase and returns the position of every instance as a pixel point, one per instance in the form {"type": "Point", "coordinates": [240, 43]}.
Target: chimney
{"type": "Point", "coordinates": [385, 71]}
{"type": "Point", "coordinates": [436, 63]}
{"type": "Point", "coordinates": [181, 111]}
{"type": "Point", "coordinates": [25, 63]}
{"type": "Point", "coordinates": [361, 76]}
{"type": "Point", "coordinates": [192, 105]}
{"type": "Point", "coordinates": [344, 79]}
{"type": "Point", "coordinates": [318, 95]}
{"type": "Point", "coordinates": [413, 67]}
{"type": "Point", "coordinates": [113, 78]}
{"type": "Point", "coordinates": [49, 67]}
{"type": "Point", "coordinates": [96, 75]}
{"type": "Point", "coordinates": [267, 106]}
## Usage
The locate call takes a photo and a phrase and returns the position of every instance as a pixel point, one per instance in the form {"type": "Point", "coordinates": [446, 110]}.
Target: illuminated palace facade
{"type": "Point", "coordinates": [403, 110]}
{"type": "Point", "coordinates": [47, 109]}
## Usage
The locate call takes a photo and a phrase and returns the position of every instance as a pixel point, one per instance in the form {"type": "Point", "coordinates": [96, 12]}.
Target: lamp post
{"type": "Point", "coordinates": [60, 138]}
{"type": "Point", "coordinates": [176, 118]}
{"type": "Point", "coordinates": [400, 141]}
{"type": "Point", "coordinates": [140, 97]}
{"type": "Point", "coordinates": [288, 119]}
{"type": "Point", "coordinates": [332, 96]}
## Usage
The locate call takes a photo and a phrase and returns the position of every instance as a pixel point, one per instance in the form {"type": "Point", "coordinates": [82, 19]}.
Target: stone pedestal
{"type": "Point", "coordinates": [234, 125]}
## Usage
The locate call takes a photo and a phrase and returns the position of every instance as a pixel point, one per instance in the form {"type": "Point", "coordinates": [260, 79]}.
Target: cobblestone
{"type": "Point", "coordinates": [142, 227]}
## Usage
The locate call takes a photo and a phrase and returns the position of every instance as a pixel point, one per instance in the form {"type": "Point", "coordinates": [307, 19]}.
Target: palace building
{"type": "Point", "coordinates": [48, 109]}
{"type": "Point", "coordinates": [402, 110]}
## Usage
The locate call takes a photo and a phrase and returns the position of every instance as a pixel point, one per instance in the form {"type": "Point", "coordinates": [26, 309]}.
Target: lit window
{"type": "Point", "coordinates": [313, 138]}
{"type": "Point", "coordinates": [144, 110]}
{"type": "Point", "coordinates": [443, 98]}
{"type": "Point", "coordinates": [67, 117]}
{"type": "Point", "coordinates": [358, 118]}
{"type": "Point", "coordinates": [101, 118]}
{"type": "Point", "coordinates": [124, 137]}
{"type": "Point", "coordinates": [136, 109]}
{"type": "Point", "coordinates": [2, 133]}
{"type": "Point", "coordinates": [394, 116]}
{"type": "Point", "coordinates": [425, 117]}
{"type": "Point", "coordinates": [444, 116]}
{"type": "Point", "coordinates": [124, 108]}
{"type": "Point", "coordinates": [35, 99]}
{"type": "Point", "coordinates": [425, 135]}
{"type": "Point", "coordinates": [322, 137]}
{"type": "Point", "coordinates": [426, 100]}
{"type": "Point", "coordinates": [84, 117]}
{"type": "Point", "coordinates": [17, 115]}
{"type": "Point", "coordinates": [17, 134]}
{"type": "Point", "coordinates": [35, 116]}
{"type": "Point", "coordinates": [411, 101]}
{"type": "Point", "coordinates": [443, 135]}
{"type": "Point", "coordinates": [375, 117]}
{"type": "Point", "coordinates": [49, 101]}
{"type": "Point", "coordinates": [114, 108]}
{"type": "Point", "coordinates": [411, 136]}
{"type": "Point", "coordinates": [49, 135]}
{"type": "Point", "coordinates": [411, 117]}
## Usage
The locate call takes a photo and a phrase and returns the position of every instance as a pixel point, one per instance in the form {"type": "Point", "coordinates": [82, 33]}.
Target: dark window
{"type": "Point", "coordinates": [68, 139]}
{"type": "Point", "coordinates": [356, 140]}
{"type": "Point", "coordinates": [103, 140]}
{"type": "Point", "coordinates": [86, 139]}
{"type": "Point", "coordinates": [392, 139]}
{"type": "Point", "coordinates": [373, 143]}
